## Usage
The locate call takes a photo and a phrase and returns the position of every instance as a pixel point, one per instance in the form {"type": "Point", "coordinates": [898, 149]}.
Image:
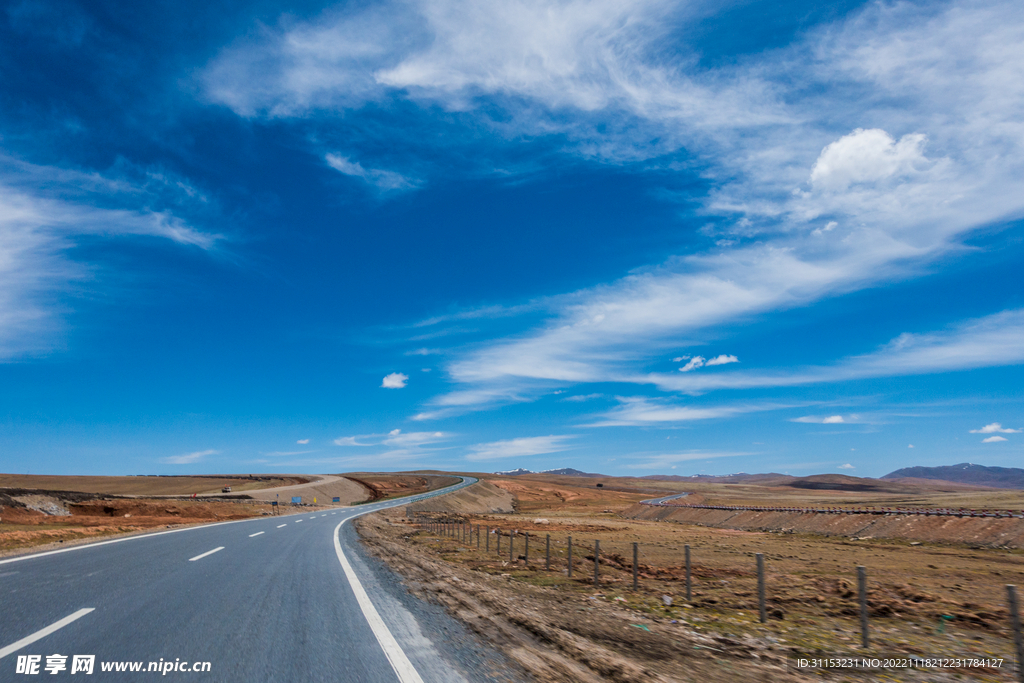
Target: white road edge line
{"type": "Point", "coordinates": [281, 525]}
{"type": "Point", "coordinates": [208, 552]}
{"type": "Point", "coordinates": [404, 669]}
{"type": "Point", "coordinates": [297, 521]}
{"type": "Point", "coordinates": [255, 534]}
{"type": "Point", "coordinates": [42, 633]}
{"type": "Point", "coordinates": [126, 538]}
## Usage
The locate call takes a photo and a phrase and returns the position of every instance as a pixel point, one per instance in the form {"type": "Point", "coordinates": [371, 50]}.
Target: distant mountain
{"type": "Point", "coordinates": [563, 471]}
{"type": "Point", "coordinates": [570, 472]}
{"type": "Point", "coordinates": [966, 473]}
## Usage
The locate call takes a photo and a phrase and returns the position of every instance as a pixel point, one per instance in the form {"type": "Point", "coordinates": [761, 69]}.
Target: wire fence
{"type": "Point", "coordinates": [584, 561]}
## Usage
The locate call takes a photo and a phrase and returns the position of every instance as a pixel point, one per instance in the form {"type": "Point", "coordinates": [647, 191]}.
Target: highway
{"type": "Point", "coordinates": [286, 598]}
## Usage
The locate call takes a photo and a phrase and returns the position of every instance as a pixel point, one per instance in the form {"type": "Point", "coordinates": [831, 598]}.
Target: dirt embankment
{"type": "Point", "coordinates": [29, 520]}
{"type": "Point", "coordinates": [566, 636]}
{"type": "Point", "coordinates": [384, 486]}
{"type": "Point", "coordinates": [480, 498]}
{"type": "Point", "coordinates": [148, 485]}
{"type": "Point", "coordinates": [971, 531]}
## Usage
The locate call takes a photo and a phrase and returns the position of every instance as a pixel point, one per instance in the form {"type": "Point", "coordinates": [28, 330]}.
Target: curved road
{"type": "Point", "coordinates": [285, 598]}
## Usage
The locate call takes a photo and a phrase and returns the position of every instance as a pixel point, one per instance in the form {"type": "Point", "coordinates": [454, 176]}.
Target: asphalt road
{"type": "Point", "coordinates": [288, 598]}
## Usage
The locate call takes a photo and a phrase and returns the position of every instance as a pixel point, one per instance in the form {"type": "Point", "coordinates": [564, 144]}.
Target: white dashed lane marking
{"type": "Point", "coordinates": [208, 552]}
{"type": "Point", "coordinates": [42, 633]}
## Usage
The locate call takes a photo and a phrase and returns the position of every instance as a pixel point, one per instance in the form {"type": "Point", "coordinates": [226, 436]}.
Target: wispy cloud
{"type": "Point", "coordinates": [394, 438]}
{"type": "Point", "coordinates": [994, 439]}
{"type": "Point", "coordinates": [815, 419]}
{"type": "Point", "coordinates": [525, 446]}
{"type": "Point", "coordinates": [991, 341]}
{"type": "Point", "coordinates": [44, 211]}
{"type": "Point", "coordinates": [189, 458]}
{"type": "Point", "coordinates": [665, 461]}
{"type": "Point", "coordinates": [386, 181]}
{"type": "Point", "coordinates": [819, 186]}
{"type": "Point", "coordinates": [580, 398]}
{"type": "Point", "coordinates": [847, 466]}
{"type": "Point", "coordinates": [302, 442]}
{"type": "Point", "coordinates": [642, 411]}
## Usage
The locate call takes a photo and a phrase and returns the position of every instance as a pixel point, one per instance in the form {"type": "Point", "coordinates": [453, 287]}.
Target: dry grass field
{"type": "Point", "coordinates": [144, 485]}
{"type": "Point", "coordinates": [930, 598]}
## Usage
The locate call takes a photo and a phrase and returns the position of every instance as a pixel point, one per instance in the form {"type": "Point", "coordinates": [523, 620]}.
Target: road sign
{"type": "Point", "coordinates": [336, 499]}
{"type": "Point", "coordinates": [296, 500]}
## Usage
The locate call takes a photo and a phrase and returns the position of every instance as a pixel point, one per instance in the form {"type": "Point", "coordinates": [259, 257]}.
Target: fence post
{"type": "Point", "coordinates": [760, 586]}
{"type": "Point", "coordinates": [634, 564]}
{"type": "Point", "coordinates": [488, 544]}
{"type": "Point", "coordinates": [526, 551]}
{"type": "Point", "coordinates": [570, 557]}
{"type": "Point", "coordinates": [597, 560]}
{"type": "Point", "coordinates": [547, 554]}
{"type": "Point", "coordinates": [1018, 641]}
{"type": "Point", "coordinates": [511, 544]}
{"type": "Point", "coordinates": [478, 537]}
{"type": "Point", "coordinates": [497, 542]}
{"type": "Point", "coordinates": [688, 582]}
{"type": "Point", "coordinates": [862, 590]}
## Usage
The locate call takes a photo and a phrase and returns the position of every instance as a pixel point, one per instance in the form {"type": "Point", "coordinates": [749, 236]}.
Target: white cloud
{"type": "Point", "coordinates": [802, 137]}
{"type": "Point", "coordinates": [667, 460]}
{"type": "Point", "coordinates": [847, 466]}
{"type": "Point", "coordinates": [693, 364]}
{"type": "Point", "coordinates": [522, 447]}
{"type": "Point", "coordinates": [580, 398]}
{"type": "Point", "coordinates": [817, 419]}
{"type": "Point", "coordinates": [382, 180]}
{"type": "Point", "coordinates": [396, 380]}
{"type": "Point", "coordinates": [679, 359]}
{"type": "Point", "coordinates": [994, 340]}
{"type": "Point", "coordinates": [910, 445]}
{"type": "Point", "coordinates": [302, 441]}
{"type": "Point", "coordinates": [722, 360]}
{"type": "Point", "coordinates": [350, 441]}
{"type": "Point", "coordinates": [397, 438]}
{"type": "Point", "coordinates": [189, 458]}
{"type": "Point", "coordinates": [994, 439]}
{"type": "Point", "coordinates": [44, 211]}
{"type": "Point", "coordinates": [994, 428]}
{"type": "Point", "coordinates": [866, 156]}
{"type": "Point", "coordinates": [642, 411]}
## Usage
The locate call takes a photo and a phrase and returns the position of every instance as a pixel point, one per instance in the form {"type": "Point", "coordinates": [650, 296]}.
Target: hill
{"type": "Point", "coordinates": [562, 471]}
{"type": "Point", "coordinates": [966, 473]}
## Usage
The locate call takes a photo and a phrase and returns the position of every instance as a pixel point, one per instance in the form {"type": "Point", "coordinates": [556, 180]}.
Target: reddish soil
{"type": "Point", "coordinates": [22, 527]}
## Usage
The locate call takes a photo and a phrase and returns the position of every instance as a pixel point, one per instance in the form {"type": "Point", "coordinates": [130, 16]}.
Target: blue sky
{"type": "Point", "coordinates": [632, 238]}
